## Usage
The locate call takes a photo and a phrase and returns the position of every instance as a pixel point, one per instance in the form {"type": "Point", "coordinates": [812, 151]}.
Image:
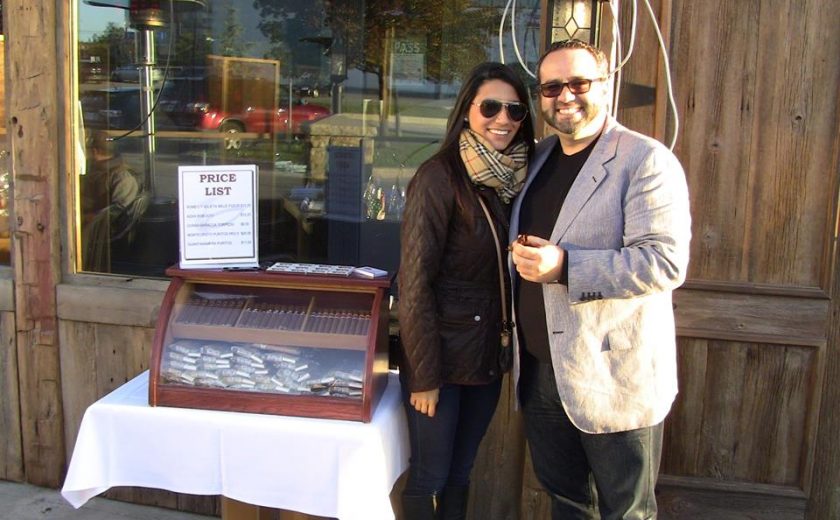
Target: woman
{"type": "Point", "coordinates": [450, 310]}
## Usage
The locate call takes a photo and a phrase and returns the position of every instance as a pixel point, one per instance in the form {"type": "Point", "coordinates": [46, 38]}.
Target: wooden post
{"type": "Point", "coordinates": [824, 501]}
{"type": "Point", "coordinates": [33, 102]}
{"type": "Point", "coordinates": [497, 477]}
{"type": "Point", "coordinates": [236, 510]}
{"type": "Point", "coordinates": [387, 78]}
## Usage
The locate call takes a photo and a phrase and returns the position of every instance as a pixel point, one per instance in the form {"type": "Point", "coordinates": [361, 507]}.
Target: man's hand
{"type": "Point", "coordinates": [538, 260]}
{"type": "Point", "coordinates": [425, 402]}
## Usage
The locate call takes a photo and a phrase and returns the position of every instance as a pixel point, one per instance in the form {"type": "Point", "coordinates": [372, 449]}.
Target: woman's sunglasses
{"type": "Point", "coordinates": [491, 107]}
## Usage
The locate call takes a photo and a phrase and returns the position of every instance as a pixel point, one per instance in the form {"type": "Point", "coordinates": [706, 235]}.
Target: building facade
{"type": "Point", "coordinates": [338, 102]}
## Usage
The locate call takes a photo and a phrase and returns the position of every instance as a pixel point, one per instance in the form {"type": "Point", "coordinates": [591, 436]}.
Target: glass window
{"type": "Point", "coordinates": [337, 101]}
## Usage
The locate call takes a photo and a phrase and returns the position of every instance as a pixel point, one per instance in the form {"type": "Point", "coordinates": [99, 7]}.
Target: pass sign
{"type": "Point", "coordinates": [409, 47]}
{"type": "Point", "coordinates": [408, 61]}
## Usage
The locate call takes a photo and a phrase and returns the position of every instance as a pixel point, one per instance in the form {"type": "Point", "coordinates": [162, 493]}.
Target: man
{"type": "Point", "coordinates": [113, 200]}
{"type": "Point", "coordinates": [606, 215]}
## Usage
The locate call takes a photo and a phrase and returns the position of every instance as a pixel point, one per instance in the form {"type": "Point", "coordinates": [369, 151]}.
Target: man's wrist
{"type": "Point", "coordinates": [562, 276]}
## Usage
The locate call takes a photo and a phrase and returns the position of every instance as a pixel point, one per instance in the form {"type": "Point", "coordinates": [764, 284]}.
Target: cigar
{"type": "Point", "coordinates": [521, 239]}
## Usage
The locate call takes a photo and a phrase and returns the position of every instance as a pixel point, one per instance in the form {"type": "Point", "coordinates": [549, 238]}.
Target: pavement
{"type": "Point", "coordinates": [26, 502]}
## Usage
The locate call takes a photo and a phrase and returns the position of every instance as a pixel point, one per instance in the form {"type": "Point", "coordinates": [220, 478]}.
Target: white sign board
{"type": "Point", "coordinates": [409, 60]}
{"type": "Point", "coordinates": [217, 209]}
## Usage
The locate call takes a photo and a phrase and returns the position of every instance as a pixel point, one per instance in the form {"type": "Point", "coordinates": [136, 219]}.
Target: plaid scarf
{"type": "Point", "coordinates": [504, 171]}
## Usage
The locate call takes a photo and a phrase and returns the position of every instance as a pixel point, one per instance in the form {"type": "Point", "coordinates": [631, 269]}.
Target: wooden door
{"type": "Point", "coordinates": [756, 86]}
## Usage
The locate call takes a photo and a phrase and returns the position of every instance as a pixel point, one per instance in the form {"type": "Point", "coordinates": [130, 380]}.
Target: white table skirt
{"type": "Point", "coordinates": [322, 467]}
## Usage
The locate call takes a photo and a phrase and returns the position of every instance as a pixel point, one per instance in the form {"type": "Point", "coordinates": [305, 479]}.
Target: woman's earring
{"type": "Point", "coordinates": [466, 119]}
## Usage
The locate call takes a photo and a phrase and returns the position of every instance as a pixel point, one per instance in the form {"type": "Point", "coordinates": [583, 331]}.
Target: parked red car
{"type": "Point", "coordinates": [185, 102]}
{"type": "Point", "coordinates": [261, 120]}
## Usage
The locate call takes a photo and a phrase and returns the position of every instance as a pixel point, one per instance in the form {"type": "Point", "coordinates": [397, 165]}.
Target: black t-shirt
{"type": "Point", "coordinates": [537, 216]}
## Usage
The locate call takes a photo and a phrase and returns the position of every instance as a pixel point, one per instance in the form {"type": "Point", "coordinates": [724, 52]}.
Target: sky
{"type": "Point", "coordinates": [93, 20]}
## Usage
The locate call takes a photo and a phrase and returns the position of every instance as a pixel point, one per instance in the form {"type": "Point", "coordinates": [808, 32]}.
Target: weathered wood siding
{"type": "Point", "coordinates": [33, 112]}
{"type": "Point", "coordinates": [498, 473]}
{"type": "Point", "coordinates": [756, 89]}
{"type": "Point", "coordinates": [11, 451]}
{"type": "Point", "coordinates": [111, 329]}
{"type": "Point", "coordinates": [753, 431]}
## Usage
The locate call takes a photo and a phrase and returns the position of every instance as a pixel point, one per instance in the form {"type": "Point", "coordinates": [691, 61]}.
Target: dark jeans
{"type": "Point", "coordinates": [443, 447]}
{"type": "Point", "coordinates": [610, 473]}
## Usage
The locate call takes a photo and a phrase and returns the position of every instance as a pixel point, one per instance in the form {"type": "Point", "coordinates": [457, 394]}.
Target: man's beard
{"type": "Point", "coordinates": [569, 126]}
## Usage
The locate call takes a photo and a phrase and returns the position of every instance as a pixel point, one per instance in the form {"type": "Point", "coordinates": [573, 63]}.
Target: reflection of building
{"type": "Point", "coordinates": [271, 30]}
{"type": "Point", "coordinates": [93, 63]}
{"type": "Point", "coordinates": [359, 229]}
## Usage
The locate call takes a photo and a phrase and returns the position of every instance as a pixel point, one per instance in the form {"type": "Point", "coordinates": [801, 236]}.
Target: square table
{"type": "Point", "coordinates": [323, 467]}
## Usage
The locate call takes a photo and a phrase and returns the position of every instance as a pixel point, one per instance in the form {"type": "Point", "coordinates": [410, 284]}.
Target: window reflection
{"type": "Point", "coordinates": [337, 101]}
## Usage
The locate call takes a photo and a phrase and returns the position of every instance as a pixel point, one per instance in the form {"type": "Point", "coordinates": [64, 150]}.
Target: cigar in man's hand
{"type": "Point", "coordinates": [521, 239]}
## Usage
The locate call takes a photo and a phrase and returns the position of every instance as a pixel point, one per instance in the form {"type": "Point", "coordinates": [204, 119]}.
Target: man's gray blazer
{"type": "Point", "coordinates": [625, 226]}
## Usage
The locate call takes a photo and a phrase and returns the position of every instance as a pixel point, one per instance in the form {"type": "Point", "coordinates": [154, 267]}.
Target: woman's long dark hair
{"type": "Point", "coordinates": [449, 153]}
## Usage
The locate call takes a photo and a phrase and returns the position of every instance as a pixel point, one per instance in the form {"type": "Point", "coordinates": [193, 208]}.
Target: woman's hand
{"type": "Point", "coordinates": [538, 260]}
{"type": "Point", "coordinates": [425, 402]}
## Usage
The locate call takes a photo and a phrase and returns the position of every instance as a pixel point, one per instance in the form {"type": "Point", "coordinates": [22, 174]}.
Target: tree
{"type": "Point", "coordinates": [452, 35]}
{"type": "Point", "coordinates": [455, 32]}
{"type": "Point", "coordinates": [231, 42]}
{"type": "Point", "coordinates": [289, 30]}
{"type": "Point", "coordinates": [451, 38]}
{"type": "Point", "coordinates": [111, 42]}
{"type": "Point", "coordinates": [191, 48]}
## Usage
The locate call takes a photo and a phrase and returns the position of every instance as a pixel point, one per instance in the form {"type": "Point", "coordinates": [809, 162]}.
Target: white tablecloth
{"type": "Point", "coordinates": [331, 468]}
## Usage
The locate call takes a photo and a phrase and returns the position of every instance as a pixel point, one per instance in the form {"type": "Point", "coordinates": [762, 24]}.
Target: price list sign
{"type": "Point", "coordinates": [218, 216]}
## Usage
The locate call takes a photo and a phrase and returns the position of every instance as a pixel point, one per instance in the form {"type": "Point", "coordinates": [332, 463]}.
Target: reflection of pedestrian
{"type": "Point", "coordinates": [450, 305]}
{"type": "Point", "coordinates": [606, 211]}
{"type": "Point", "coordinates": [113, 200]}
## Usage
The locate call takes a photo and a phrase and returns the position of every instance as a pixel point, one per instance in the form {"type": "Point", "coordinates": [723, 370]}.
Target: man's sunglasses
{"type": "Point", "coordinates": [491, 107]}
{"type": "Point", "coordinates": [552, 89]}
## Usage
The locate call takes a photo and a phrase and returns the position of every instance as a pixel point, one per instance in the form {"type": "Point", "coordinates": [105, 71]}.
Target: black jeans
{"type": "Point", "coordinates": [613, 474]}
{"type": "Point", "coordinates": [443, 447]}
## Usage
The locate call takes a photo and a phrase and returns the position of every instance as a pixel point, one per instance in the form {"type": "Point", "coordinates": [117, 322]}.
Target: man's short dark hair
{"type": "Point", "coordinates": [102, 143]}
{"type": "Point", "coordinates": [600, 57]}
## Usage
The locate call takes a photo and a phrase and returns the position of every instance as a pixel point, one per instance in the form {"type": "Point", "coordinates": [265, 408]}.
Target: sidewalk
{"type": "Point", "coordinates": [27, 502]}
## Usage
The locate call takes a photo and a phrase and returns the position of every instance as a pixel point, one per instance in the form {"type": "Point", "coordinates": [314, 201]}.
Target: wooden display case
{"type": "Point", "coordinates": [285, 344]}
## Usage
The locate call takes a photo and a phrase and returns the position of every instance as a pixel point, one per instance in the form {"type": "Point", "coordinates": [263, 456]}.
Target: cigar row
{"type": "Point", "coordinates": [229, 313]}
{"type": "Point", "coordinates": [211, 312]}
{"type": "Point", "coordinates": [263, 368]}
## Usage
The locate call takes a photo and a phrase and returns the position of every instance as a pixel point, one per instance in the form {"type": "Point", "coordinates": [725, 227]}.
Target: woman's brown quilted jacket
{"type": "Point", "coordinates": [449, 308]}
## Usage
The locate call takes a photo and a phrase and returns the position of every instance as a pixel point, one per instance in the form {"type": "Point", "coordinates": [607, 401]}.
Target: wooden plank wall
{"type": "Point", "coordinates": [760, 152]}
{"type": "Point", "coordinates": [757, 92]}
{"type": "Point", "coordinates": [105, 356]}
{"type": "Point", "coordinates": [109, 342]}
{"type": "Point", "coordinates": [11, 450]}
{"type": "Point", "coordinates": [3, 85]}
{"type": "Point", "coordinates": [33, 104]}
{"type": "Point", "coordinates": [11, 453]}
{"type": "Point", "coordinates": [824, 499]}
{"type": "Point", "coordinates": [756, 88]}
{"type": "Point", "coordinates": [498, 477]}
